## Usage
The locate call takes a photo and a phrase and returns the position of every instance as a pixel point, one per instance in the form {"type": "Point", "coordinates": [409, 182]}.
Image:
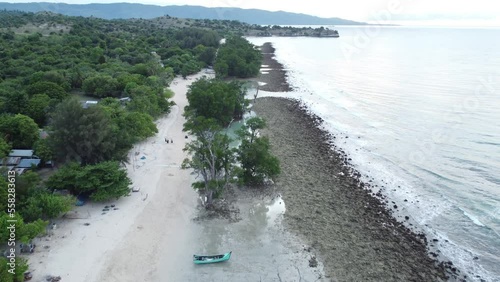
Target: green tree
{"type": "Point", "coordinates": [38, 107]}
{"type": "Point", "coordinates": [146, 100]}
{"type": "Point", "coordinates": [205, 54]}
{"type": "Point", "coordinates": [103, 181]}
{"type": "Point", "coordinates": [4, 148]}
{"type": "Point", "coordinates": [190, 67]}
{"type": "Point", "coordinates": [25, 184]}
{"type": "Point", "coordinates": [19, 130]}
{"type": "Point", "coordinates": [101, 86]}
{"type": "Point", "coordinates": [51, 89]}
{"type": "Point", "coordinates": [56, 77]}
{"type": "Point", "coordinates": [211, 157]}
{"type": "Point", "coordinates": [4, 194]}
{"type": "Point", "coordinates": [24, 231]}
{"type": "Point", "coordinates": [43, 150]}
{"type": "Point", "coordinates": [238, 58]}
{"type": "Point", "coordinates": [18, 276]}
{"type": "Point", "coordinates": [82, 135]}
{"type": "Point", "coordinates": [12, 100]}
{"type": "Point", "coordinates": [139, 125]}
{"type": "Point", "coordinates": [257, 163]}
{"type": "Point", "coordinates": [45, 205]}
{"type": "Point", "coordinates": [215, 99]}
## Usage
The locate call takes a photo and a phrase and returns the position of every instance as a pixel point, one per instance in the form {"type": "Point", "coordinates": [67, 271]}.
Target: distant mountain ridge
{"type": "Point", "coordinates": [132, 10]}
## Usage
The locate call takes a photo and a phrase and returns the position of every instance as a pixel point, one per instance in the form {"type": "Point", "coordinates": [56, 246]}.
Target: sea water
{"type": "Point", "coordinates": [417, 109]}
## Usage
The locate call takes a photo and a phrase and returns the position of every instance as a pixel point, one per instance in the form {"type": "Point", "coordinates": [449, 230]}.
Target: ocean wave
{"type": "Point", "coordinates": [394, 108]}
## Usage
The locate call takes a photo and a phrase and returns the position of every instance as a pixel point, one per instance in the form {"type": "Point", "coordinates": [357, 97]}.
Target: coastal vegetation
{"type": "Point", "coordinates": [257, 162]}
{"type": "Point", "coordinates": [213, 105]}
{"type": "Point", "coordinates": [238, 58]}
{"type": "Point", "coordinates": [211, 156]}
{"type": "Point", "coordinates": [101, 182]}
{"type": "Point", "coordinates": [80, 92]}
{"type": "Point", "coordinates": [215, 99]}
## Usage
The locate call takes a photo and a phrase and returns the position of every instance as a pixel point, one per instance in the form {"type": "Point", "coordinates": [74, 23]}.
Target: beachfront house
{"type": "Point", "coordinates": [22, 153]}
{"type": "Point", "coordinates": [20, 161]}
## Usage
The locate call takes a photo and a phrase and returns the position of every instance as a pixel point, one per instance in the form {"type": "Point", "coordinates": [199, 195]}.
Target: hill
{"type": "Point", "coordinates": [129, 10]}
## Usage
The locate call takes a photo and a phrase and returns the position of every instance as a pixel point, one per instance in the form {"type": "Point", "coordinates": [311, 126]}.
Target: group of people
{"type": "Point", "coordinates": [172, 140]}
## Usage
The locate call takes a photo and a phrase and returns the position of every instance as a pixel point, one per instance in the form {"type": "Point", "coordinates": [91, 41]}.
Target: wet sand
{"type": "Point", "coordinates": [330, 208]}
{"type": "Point", "coordinates": [261, 249]}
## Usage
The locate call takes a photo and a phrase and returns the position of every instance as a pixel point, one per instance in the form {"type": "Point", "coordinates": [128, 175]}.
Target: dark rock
{"type": "Point", "coordinates": [313, 262]}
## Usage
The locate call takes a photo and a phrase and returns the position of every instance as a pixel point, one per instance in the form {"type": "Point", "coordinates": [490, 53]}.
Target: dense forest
{"type": "Point", "coordinates": [80, 92]}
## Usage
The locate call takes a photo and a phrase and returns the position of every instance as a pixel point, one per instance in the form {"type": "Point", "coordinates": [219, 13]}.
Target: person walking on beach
{"type": "Point", "coordinates": [172, 141]}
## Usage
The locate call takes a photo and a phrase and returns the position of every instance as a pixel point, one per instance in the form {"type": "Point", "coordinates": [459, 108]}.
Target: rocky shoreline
{"type": "Point", "coordinates": [333, 210]}
{"type": "Point", "coordinates": [329, 206]}
{"type": "Point", "coordinates": [274, 76]}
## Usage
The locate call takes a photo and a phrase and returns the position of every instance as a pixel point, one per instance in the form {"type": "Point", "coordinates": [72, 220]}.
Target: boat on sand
{"type": "Point", "coordinates": [211, 259]}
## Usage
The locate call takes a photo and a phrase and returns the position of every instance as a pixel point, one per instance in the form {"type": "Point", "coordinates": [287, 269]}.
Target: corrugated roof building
{"type": "Point", "coordinates": [21, 153]}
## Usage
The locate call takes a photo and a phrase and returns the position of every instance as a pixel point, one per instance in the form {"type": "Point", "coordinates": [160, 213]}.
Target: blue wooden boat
{"type": "Point", "coordinates": [211, 259]}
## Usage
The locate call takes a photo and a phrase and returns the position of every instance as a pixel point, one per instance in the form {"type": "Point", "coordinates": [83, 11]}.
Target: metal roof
{"type": "Point", "coordinates": [27, 163]}
{"type": "Point", "coordinates": [21, 153]}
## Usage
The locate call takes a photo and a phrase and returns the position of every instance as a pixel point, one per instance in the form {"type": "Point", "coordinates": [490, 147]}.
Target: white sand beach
{"type": "Point", "coordinates": [152, 235]}
{"type": "Point", "coordinates": [122, 244]}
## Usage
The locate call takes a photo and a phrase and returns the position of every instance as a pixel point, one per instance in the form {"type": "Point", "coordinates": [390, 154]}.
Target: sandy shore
{"type": "Point", "coordinates": [121, 245]}
{"type": "Point", "coordinates": [152, 234]}
{"type": "Point", "coordinates": [356, 236]}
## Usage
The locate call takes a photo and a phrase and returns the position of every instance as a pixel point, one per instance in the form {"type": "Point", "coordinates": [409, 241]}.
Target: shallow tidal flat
{"type": "Point", "coordinates": [355, 235]}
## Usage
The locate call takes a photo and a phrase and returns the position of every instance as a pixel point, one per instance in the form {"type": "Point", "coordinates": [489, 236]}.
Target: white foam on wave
{"type": "Point", "coordinates": [474, 219]}
{"type": "Point", "coordinates": [425, 207]}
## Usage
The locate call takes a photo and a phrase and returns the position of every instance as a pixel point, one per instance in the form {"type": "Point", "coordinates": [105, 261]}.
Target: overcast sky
{"type": "Point", "coordinates": [481, 12]}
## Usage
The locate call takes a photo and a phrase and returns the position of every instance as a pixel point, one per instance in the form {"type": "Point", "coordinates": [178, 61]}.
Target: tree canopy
{"type": "Point", "coordinates": [257, 163]}
{"type": "Point", "coordinates": [19, 130]}
{"type": "Point", "coordinates": [4, 148]}
{"type": "Point", "coordinates": [211, 156]}
{"type": "Point", "coordinates": [215, 99]}
{"type": "Point", "coordinates": [103, 181]}
{"type": "Point", "coordinates": [45, 205]}
{"type": "Point", "coordinates": [238, 58]}
{"type": "Point", "coordinates": [83, 135]}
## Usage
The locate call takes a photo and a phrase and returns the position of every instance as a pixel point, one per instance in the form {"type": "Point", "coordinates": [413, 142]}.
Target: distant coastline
{"type": "Point", "coordinates": [289, 31]}
{"type": "Point", "coordinates": [134, 10]}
